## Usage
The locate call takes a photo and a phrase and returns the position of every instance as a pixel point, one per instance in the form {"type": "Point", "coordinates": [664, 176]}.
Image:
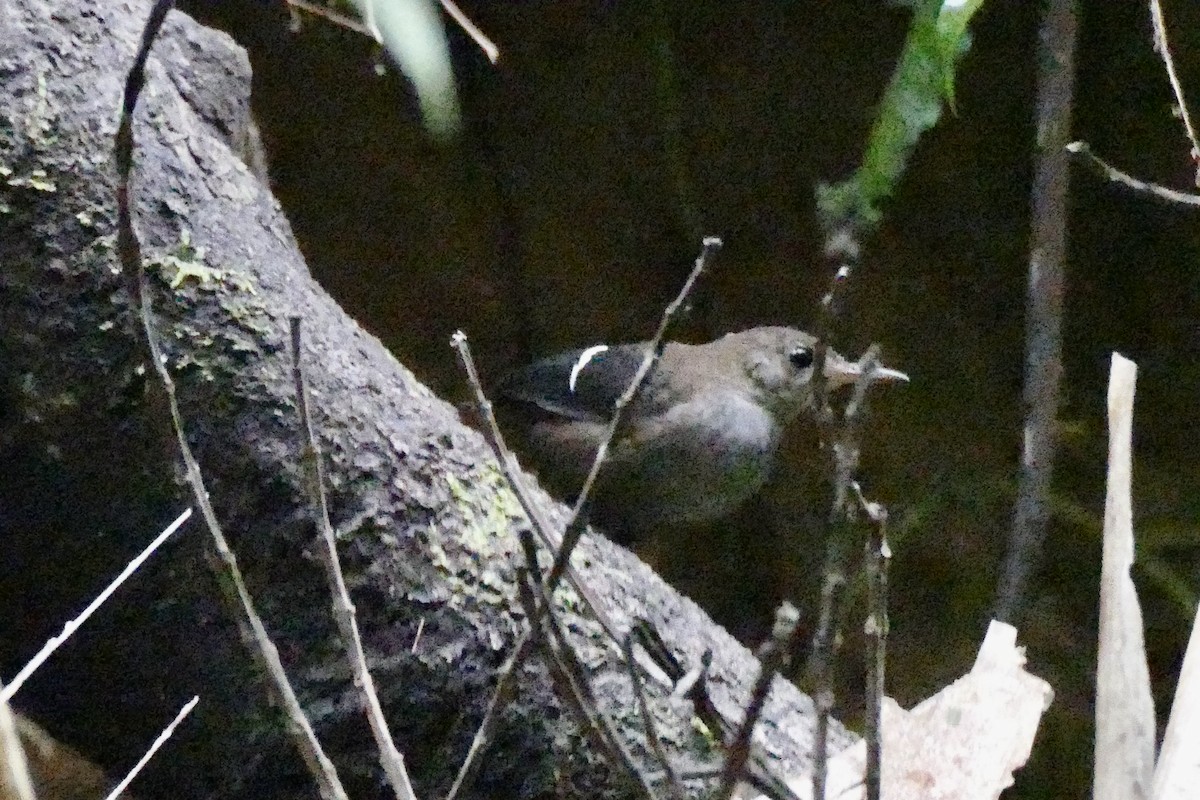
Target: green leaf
{"type": "Point", "coordinates": [412, 33]}
{"type": "Point", "coordinates": [923, 80]}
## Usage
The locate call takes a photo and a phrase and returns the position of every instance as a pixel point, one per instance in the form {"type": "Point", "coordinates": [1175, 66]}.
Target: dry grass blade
{"type": "Point", "coordinates": [1164, 50]}
{"type": "Point", "coordinates": [1081, 150]}
{"type": "Point", "coordinates": [471, 29]}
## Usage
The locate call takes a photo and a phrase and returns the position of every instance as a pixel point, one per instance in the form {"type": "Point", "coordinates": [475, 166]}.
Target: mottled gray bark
{"type": "Point", "coordinates": [89, 469]}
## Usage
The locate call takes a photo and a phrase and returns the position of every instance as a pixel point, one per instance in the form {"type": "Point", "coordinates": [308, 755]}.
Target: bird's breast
{"type": "Point", "coordinates": [701, 459]}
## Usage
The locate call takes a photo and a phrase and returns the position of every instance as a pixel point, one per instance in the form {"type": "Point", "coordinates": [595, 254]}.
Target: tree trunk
{"type": "Point", "coordinates": [426, 524]}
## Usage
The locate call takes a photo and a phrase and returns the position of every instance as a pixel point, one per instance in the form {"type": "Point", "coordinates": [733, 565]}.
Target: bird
{"type": "Point", "coordinates": [699, 439]}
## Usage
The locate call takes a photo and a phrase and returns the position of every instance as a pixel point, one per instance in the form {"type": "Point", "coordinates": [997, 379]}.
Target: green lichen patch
{"type": "Point", "coordinates": [184, 266]}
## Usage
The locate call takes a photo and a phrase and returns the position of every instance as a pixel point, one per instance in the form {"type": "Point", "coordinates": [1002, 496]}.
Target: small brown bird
{"type": "Point", "coordinates": [700, 438]}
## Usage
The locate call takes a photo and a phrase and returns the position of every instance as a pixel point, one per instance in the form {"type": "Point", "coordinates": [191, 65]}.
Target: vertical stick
{"type": "Point", "coordinates": [1124, 709]}
{"type": "Point", "coordinates": [1043, 306]}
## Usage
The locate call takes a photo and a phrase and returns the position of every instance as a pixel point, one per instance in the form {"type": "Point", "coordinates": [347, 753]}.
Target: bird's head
{"type": "Point", "coordinates": [778, 362]}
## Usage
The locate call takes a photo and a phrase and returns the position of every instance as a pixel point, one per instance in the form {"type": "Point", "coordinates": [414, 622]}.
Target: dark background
{"type": "Point", "coordinates": [611, 136]}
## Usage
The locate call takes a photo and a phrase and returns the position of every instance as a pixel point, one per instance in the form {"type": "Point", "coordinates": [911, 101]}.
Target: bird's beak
{"type": "Point", "coordinates": [840, 372]}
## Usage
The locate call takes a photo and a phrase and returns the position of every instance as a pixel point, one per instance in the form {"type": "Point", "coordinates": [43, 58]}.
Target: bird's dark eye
{"type": "Point", "coordinates": [801, 358]}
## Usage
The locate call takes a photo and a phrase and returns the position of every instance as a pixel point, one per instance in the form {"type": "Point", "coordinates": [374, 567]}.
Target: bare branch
{"type": "Point", "coordinates": [651, 730]}
{"type": "Point", "coordinates": [220, 557]}
{"type": "Point", "coordinates": [159, 741]}
{"type": "Point", "coordinates": [390, 756]}
{"type": "Point", "coordinates": [577, 523]}
{"type": "Point", "coordinates": [1164, 50]}
{"type": "Point", "coordinates": [72, 625]}
{"type": "Point", "coordinates": [1111, 173]}
{"type": "Point", "coordinates": [774, 654]}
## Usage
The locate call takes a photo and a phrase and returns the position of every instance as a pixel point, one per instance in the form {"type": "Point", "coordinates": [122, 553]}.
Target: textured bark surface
{"type": "Point", "coordinates": [89, 472]}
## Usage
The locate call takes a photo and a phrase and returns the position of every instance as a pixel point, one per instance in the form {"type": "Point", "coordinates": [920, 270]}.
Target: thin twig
{"type": "Point", "coordinates": [651, 730]}
{"type": "Point", "coordinates": [501, 695]}
{"type": "Point", "coordinates": [569, 675]}
{"type": "Point", "coordinates": [516, 481]}
{"type": "Point", "coordinates": [875, 630]}
{"type": "Point", "coordinates": [471, 29]}
{"type": "Point", "coordinates": [856, 408]}
{"type": "Point", "coordinates": [1160, 44]}
{"type": "Point", "coordinates": [827, 643]}
{"type": "Point", "coordinates": [1111, 173]}
{"type": "Point", "coordinates": [579, 689]}
{"type": "Point", "coordinates": [843, 250]}
{"type": "Point", "coordinates": [659, 657]}
{"type": "Point", "coordinates": [773, 656]}
{"type": "Point", "coordinates": [758, 771]}
{"type": "Point", "coordinates": [577, 523]}
{"type": "Point", "coordinates": [529, 550]}
{"type": "Point", "coordinates": [505, 680]}
{"type": "Point", "coordinates": [875, 627]}
{"type": "Point", "coordinates": [337, 18]}
{"type": "Point", "coordinates": [573, 685]}
{"type": "Point", "coordinates": [220, 557]}
{"type": "Point", "coordinates": [390, 757]}
{"type": "Point", "coordinates": [821, 668]}
{"type": "Point", "coordinates": [847, 450]}
{"type": "Point", "coordinates": [161, 739]}
{"type": "Point", "coordinates": [72, 625]}
{"type": "Point", "coordinates": [844, 439]}
{"type": "Point", "coordinates": [505, 686]}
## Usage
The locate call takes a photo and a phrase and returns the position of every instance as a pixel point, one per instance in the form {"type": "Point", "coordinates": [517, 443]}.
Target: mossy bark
{"type": "Point", "coordinates": [425, 522]}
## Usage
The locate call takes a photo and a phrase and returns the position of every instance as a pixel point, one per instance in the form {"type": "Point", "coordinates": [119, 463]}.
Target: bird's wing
{"type": "Point", "coordinates": [580, 385]}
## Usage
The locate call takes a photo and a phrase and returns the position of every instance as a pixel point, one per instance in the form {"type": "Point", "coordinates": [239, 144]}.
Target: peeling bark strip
{"type": "Point", "coordinates": [423, 519]}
